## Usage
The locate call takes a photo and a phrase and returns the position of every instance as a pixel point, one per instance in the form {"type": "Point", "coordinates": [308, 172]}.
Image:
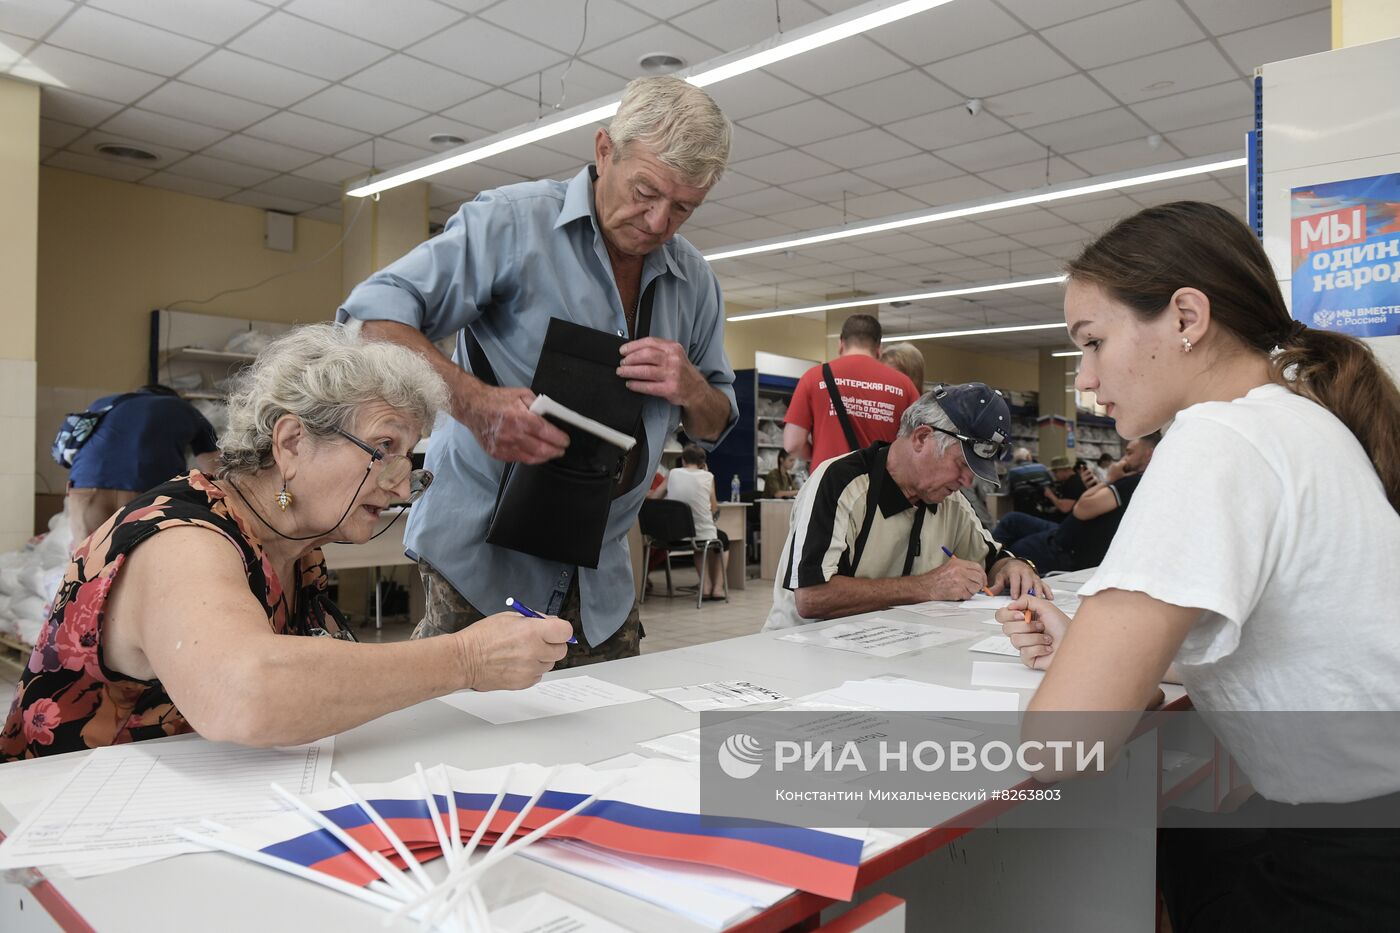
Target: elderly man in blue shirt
{"type": "Point", "coordinates": [585, 250]}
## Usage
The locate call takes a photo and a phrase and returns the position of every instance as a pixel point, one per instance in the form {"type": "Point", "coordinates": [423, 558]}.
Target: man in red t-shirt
{"type": "Point", "coordinates": [873, 394]}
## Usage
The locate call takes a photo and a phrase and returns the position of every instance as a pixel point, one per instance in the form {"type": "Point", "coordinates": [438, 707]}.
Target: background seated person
{"type": "Point", "coordinates": [1027, 481]}
{"type": "Point", "coordinates": [694, 485]}
{"type": "Point", "coordinates": [1068, 485]}
{"type": "Point", "coordinates": [172, 616]}
{"type": "Point", "coordinates": [1082, 539]}
{"type": "Point", "coordinates": [779, 483]}
{"type": "Point", "coordinates": [869, 528]}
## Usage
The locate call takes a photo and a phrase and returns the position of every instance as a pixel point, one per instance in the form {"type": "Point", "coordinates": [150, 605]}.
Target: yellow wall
{"type": "Point", "coordinates": [1355, 22]}
{"type": "Point", "coordinates": [943, 363]}
{"type": "Point", "coordinates": [111, 251]}
{"type": "Point", "coordinates": [787, 336]}
{"type": "Point", "coordinates": [19, 195]}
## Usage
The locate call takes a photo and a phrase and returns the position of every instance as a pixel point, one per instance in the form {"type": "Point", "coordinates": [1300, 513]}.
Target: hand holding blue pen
{"type": "Point", "coordinates": [950, 554]}
{"type": "Point", "coordinates": [518, 606]}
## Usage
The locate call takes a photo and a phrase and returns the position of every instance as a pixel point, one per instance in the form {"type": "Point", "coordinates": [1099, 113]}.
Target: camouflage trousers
{"type": "Point", "coordinates": [448, 611]}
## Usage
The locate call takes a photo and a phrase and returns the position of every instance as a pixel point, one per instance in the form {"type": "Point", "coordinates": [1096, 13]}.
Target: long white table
{"type": "Point", "coordinates": [217, 892]}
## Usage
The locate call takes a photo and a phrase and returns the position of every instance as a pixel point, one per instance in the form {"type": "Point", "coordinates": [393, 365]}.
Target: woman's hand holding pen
{"type": "Point", "coordinates": [1036, 627]}
{"type": "Point", "coordinates": [506, 651]}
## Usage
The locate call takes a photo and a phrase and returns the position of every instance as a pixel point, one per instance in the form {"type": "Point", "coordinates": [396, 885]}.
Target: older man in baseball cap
{"type": "Point", "coordinates": [882, 526]}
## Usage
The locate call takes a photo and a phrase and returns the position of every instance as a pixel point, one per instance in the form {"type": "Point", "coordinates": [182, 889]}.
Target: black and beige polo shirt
{"type": "Point", "coordinates": [831, 511]}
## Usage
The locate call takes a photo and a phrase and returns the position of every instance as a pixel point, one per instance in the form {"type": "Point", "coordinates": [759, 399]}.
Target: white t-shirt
{"type": "Point", "coordinates": [1266, 513]}
{"type": "Point", "coordinates": [694, 488]}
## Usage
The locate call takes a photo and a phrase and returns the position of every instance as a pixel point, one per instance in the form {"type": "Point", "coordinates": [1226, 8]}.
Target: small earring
{"type": "Point", "coordinates": [1185, 345]}
{"type": "Point", "coordinates": [284, 498]}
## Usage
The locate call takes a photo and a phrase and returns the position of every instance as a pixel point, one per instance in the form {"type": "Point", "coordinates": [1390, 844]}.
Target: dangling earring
{"type": "Point", "coordinates": [284, 498]}
{"type": "Point", "coordinates": [1185, 345]}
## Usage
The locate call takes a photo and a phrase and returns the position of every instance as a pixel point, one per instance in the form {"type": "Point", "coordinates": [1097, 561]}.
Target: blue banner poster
{"type": "Point", "coordinates": [1346, 255]}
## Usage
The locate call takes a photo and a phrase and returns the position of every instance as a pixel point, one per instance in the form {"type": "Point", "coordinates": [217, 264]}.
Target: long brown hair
{"type": "Point", "coordinates": [1144, 259]}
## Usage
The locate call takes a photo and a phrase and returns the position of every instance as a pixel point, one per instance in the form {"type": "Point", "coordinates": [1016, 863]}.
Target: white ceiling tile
{"type": "Point", "coordinates": [1032, 174]}
{"type": "Point", "coordinates": [1016, 63]}
{"type": "Point", "coordinates": [1091, 130]}
{"type": "Point", "coordinates": [734, 24]}
{"type": "Point", "coordinates": [1124, 32]}
{"type": "Point", "coordinates": [898, 97]}
{"type": "Point", "coordinates": [1055, 236]}
{"type": "Point", "coordinates": [765, 203]}
{"type": "Point", "coordinates": [214, 21]}
{"type": "Point", "coordinates": [1223, 16]}
{"type": "Point", "coordinates": [495, 110]}
{"type": "Point", "coordinates": [1011, 149]}
{"type": "Point", "coordinates": [420, 132]}
{"type": "Point", "coordinates": [913, 170]}
{"type": "Point", "coordinates": [993, 248]}
{"type": "Point", "coordinates": [292, 129]}
{"type": "Point", "coordinates": [383, 153]}
{"type": "Point", "coordinates": [780, 168]}
{"type": "Point", "coordinates": [1095, 209]}
{"type": "Point", "coordinates": [1165, 73]}
{"type": "Point", "coordinates": [882, 204]}
{"type": "Point", "coordinates": [32, 18]}
{"type": "Point", "coordinates": [477, 178]}
{"type": "Point", "coordinates": [948, 128]}
{"type": "Point", "coordinates": [163, 130]}
{"type": "Point", "coordinates": [759, 228]}
{"type": "Point", "coordinates": [746, 144]}
{"type": "Point", "coordinates": [57, 135]}
{"type": "Point", "coordinates": [444, 195]}
{"type": "Point", "coordinates": [74, 108]}
{"type": "Point", "coordinates": [396, 24]}
{"type": "Point", "coordinates": [261, 153]}
{"type": "Point", "coordinates": [1038, 14]}
{"type": "Point", "coordinates": [1201, 189]}
{"type": "Point", "coordinates": [488, 53]}
{"type": "Point", "coordinates": [811, 218]}
{"type": "Point", "coordinates": [333, 171]}
{"type": "Point", "coordinates": [127, 42]}
{"type": "Point", "coordinates": [535, 162]}
{"type": "Point", "coordinates": [577, 143]}
{"type": "Point", "coordinates": [830, 189]}
{"type": "Point", "coordinates": [732, 183]}
{"type": "Point", "coordinates": [186, 185]}
{"type": "Point", "coordinates": [315, 49]}
{"type": "Point", "coordinates": [302, 189]}
{"type": "Point", "coordinates": [231, 73]}
{"type": "Point", "coordinates": [1291, 38]}
{"type": "Point", "coordinates": [582, 83]}
{"type": "Point", "coordinates": [1228, 136]}
{"type": "Point", "coordinates": [952, 190]}
{"type": "Point", "coordinates": [12, 49]}
{"type": "Point", "coordinates": [1022, 220]}
{"type": "Point", "coordinates": [947, 30]}
{"type": "Point", "coordinates": [349, 107]}
{"type": "Point", "coordinates": [467, 6]}
{"type": "Point", "coordinates": [271, 202]}
{"type": "Point", "coordinates": [96, 165]}
{"type": "Point", "coordinates": [753, 93]}
{"type": "Point", "coordinates": [1233, 100]}
{"type": "Point", "coordinates": [1122, 157]}
{"type": "Point", "coordinates": [187, 102]}
{"type": "Point", "coordinates": [562, 27]}
{"type": "Point", "coordinates": [208, 168]}
{"type": "Point", "coordinates": [838, 66]}
{"type": "Point", "coordinates": [621, 57]}
{"type": "Point", "coordinates": [47, 64]}
{"type": "Point", "coordinates": [862, 148]}
{"type": "Point", "coordinates": [804, 123]}
{"type": "Point", "coordinates": [1050, 102]}
{"type": "Point", "coordinates": [416, 83]}
{"type": "Point", "coordinates": [330, 215]}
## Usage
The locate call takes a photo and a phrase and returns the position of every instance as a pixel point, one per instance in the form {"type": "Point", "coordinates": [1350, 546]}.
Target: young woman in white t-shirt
{"type": "Point", "coordinates": [693, 484]}
{"type": "Point", "coordinates": [1260, 554]}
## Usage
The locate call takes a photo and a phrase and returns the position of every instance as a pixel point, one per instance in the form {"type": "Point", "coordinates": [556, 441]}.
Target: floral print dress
{"type": "Point", "coordinates": [68, 699]}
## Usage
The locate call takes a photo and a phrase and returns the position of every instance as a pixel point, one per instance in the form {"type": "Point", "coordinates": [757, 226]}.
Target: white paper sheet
{"type": "Point", "coordinates": [996, 644]}
{"type": "Point", "coordinates": [1001, 674]}
{"type": "Point", "coordinates": [546, 698]}
{"type": "Point", "coordinates": [934, 609]}
{"type": "Point", "coordinates": [983, 601]}
{"type": "Point", "coordinates": [683, 746]}
{"type": "Point", "coordinates": [542, 912]}
{"type": "Point", "coordinates": [878, 637]}
{"type": "Point", "coordinates": [721, 694]}
{"type": "Point", "coordinates": [125, 801]}
{"type": "Point", "coordinates": [916, 696]}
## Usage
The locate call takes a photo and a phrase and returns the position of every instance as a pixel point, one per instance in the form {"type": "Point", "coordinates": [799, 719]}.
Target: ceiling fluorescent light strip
{"type": "Point", "coordinates": [1076, 189]}
{"type": "Point", "coordinates": [886, 299]}
{"type": "Point", "coordinates": [974, 333]}
{"type": "Point", "coordinates": [823, 32]}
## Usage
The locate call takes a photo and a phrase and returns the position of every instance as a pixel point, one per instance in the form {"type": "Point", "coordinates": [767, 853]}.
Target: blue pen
{"type": "Point", "coordinates": [518, 606]}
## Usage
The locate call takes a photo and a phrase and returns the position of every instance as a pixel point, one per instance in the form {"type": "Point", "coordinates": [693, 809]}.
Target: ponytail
{"type": "Point", "coordinates": [1343, 375]}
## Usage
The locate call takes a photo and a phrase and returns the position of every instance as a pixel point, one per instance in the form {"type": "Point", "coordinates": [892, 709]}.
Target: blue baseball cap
{"type": "Point", "coordinates": [983, 420]}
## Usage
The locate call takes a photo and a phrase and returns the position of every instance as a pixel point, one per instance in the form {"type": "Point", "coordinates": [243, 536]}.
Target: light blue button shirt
{"type": "Point", "coordinates": [506, 263]}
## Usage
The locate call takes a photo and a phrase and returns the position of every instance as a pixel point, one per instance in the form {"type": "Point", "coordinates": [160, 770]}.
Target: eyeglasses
{"type": "Point", "coordinates": [395, 469]}
{"type": "Point", "coordinates": [981, 446]}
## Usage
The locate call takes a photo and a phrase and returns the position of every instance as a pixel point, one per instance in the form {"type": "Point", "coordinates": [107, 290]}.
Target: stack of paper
{"type": "Point", "coordinates": [1000, 674]}
{"type": "Point", "coordinates": [546, 698]}
{"type": "Point", "coordinates": [880, 638]}
{"type": "Point", "coordinates": [723, 694]}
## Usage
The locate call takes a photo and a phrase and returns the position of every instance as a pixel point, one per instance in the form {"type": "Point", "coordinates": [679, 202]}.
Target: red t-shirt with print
{"type": "Point", "coordinates": [874, 395]}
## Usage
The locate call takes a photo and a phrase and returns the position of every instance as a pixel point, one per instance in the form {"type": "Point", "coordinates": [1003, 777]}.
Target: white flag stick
{"type": "Point", "coordinates": [424, 881]}
{"type": "Point", "coordinates": [378, 863]}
